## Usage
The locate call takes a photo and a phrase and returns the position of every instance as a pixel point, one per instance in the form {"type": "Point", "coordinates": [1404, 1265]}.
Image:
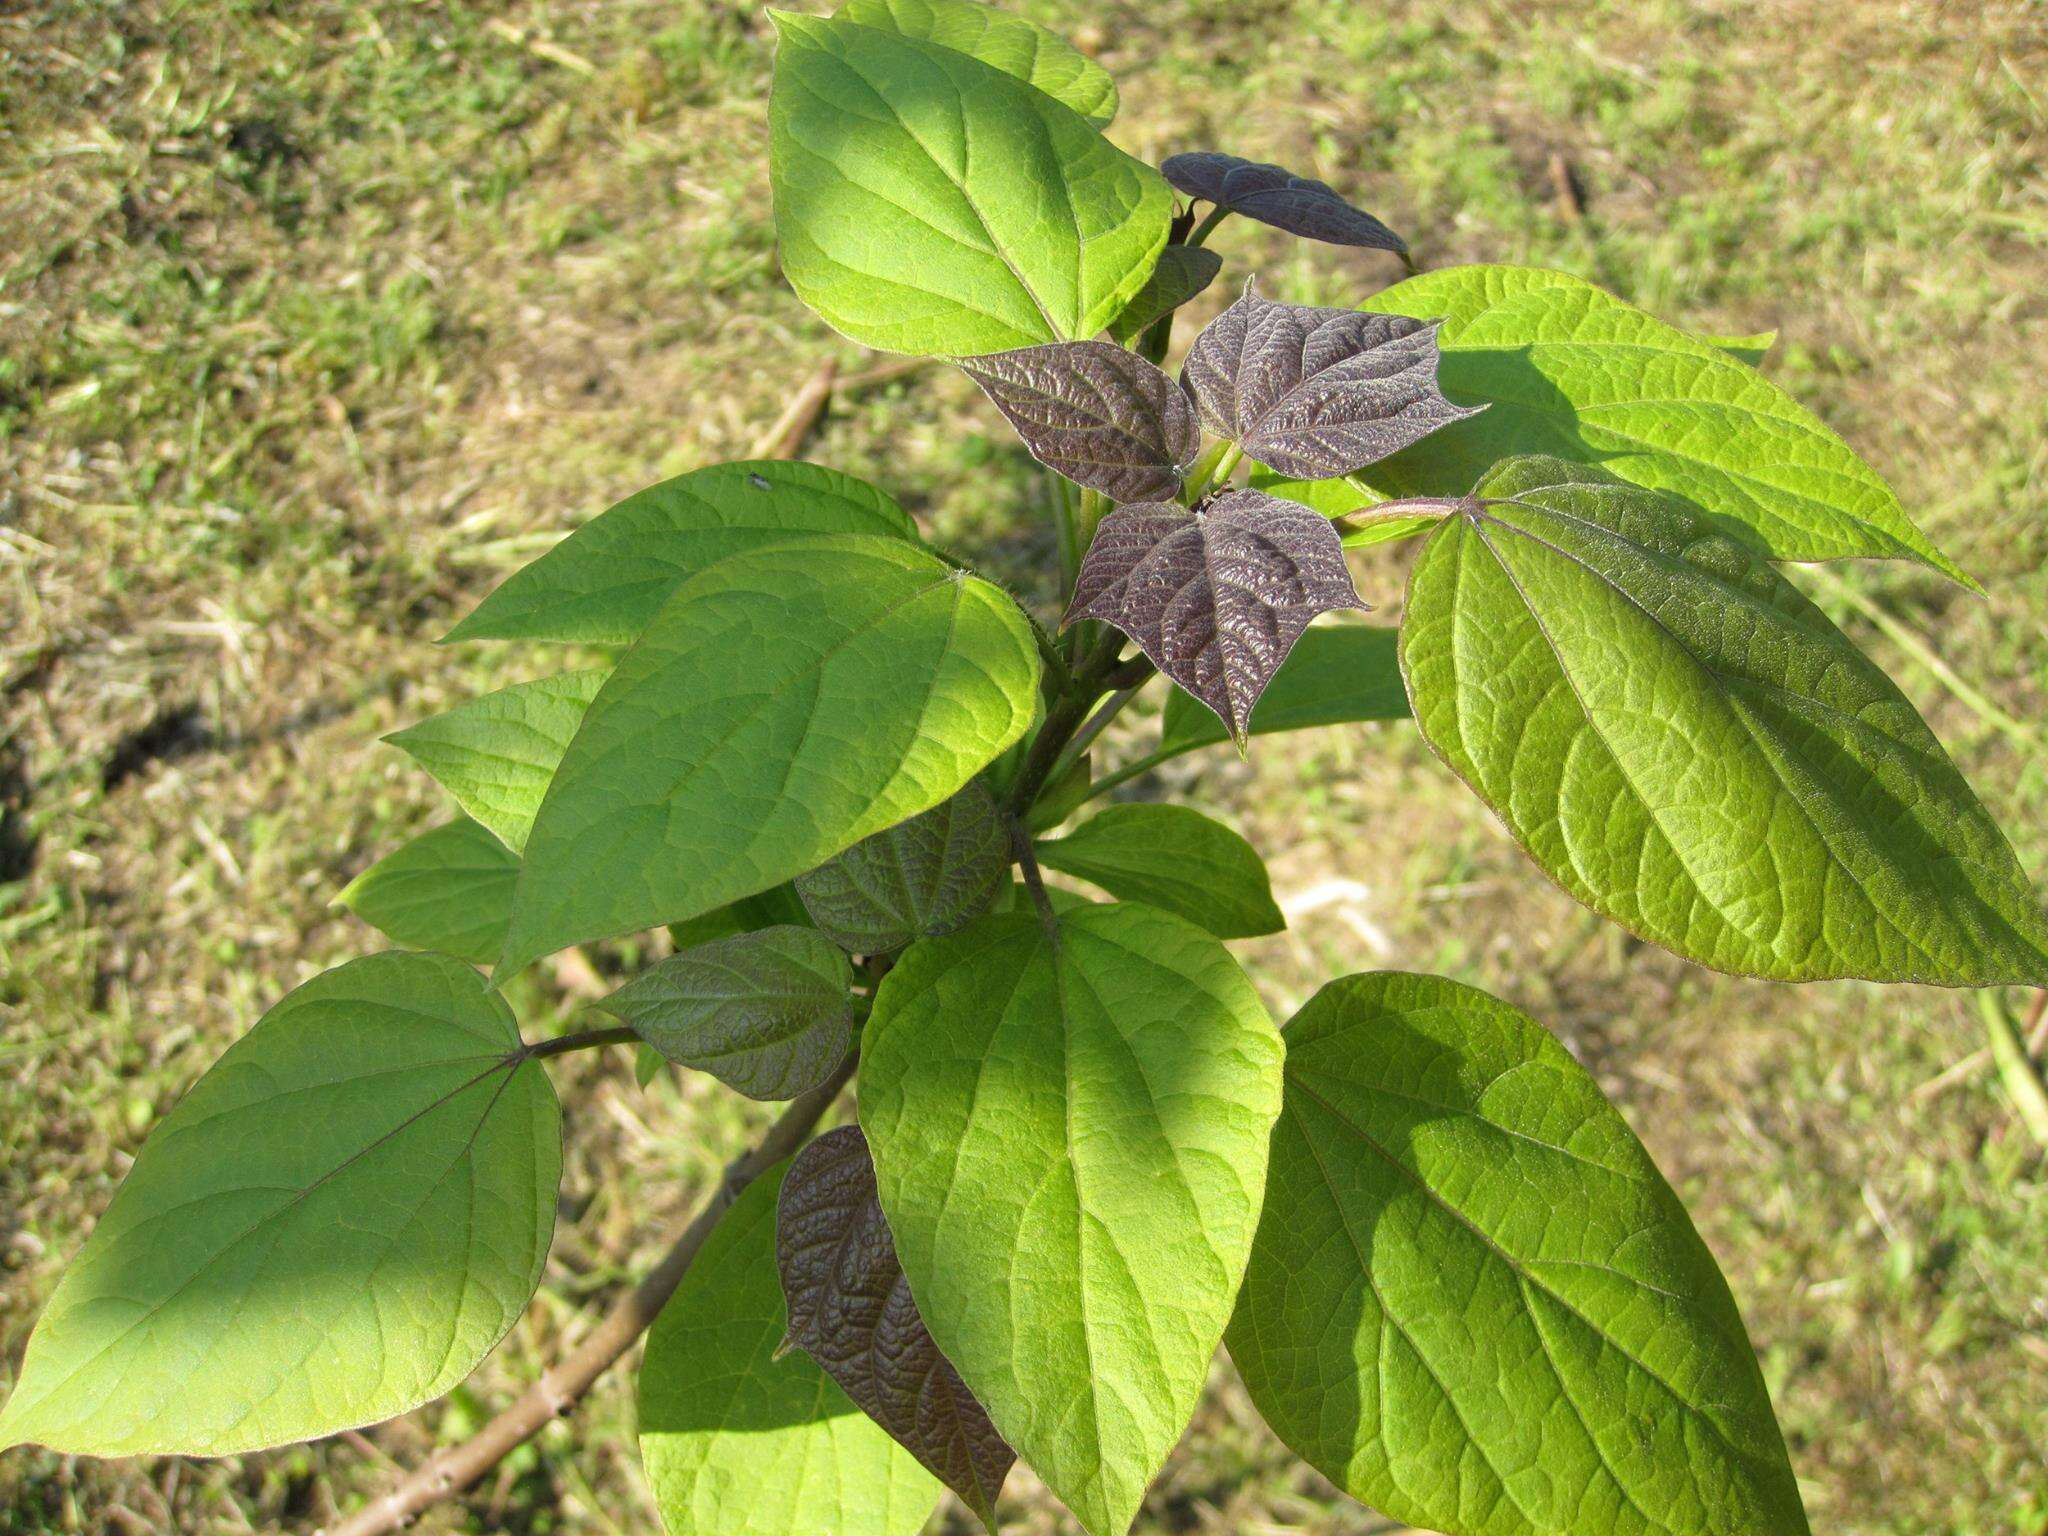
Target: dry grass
{"type": "Point", "coordinates": [316, 318]}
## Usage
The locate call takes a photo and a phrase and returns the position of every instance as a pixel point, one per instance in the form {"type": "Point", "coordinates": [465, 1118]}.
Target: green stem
{"type": "Point", "coordinates": [1090, 729]}
{"type": "Point", "coordinates": [1211, 470]}
{"type": "Point", "coordinates": [1210, 220]}
{"type": "Point", "coordinates": [1063, 517]}
{"type": "Point", "coordinates": [1065, 716]}
{"type": "Point", "coordinates": [1132, 770]}
{"type": "Point", "coordinates": [2015, 1068]}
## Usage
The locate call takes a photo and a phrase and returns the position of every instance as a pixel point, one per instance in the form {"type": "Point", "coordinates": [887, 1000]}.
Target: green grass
{"type": "Point", "coordinates": [315, 319]}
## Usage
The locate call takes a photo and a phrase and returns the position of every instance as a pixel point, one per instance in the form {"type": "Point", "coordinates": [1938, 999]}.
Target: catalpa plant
{"type": "Point", "coordinates": [834, 765]}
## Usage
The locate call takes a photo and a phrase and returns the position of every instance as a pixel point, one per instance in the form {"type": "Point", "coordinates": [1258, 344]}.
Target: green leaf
{"type": "Point", "coordinates": [647, 1064]}
{"type": "Point", "coordinates": [334, 1226]}
{"type": "Point", "coordinates": [1572, 371]}
{"type": "Point", "coordinates": [777, 904]}
{"type": "Point", "coordinates": [1750, 349]}
{"type": "Point", "coordinates": [1338, 673]}
{"type": "Point", "coordinates": [604, 582]}
{"type": "Point", "coordinates": [448, 890]}
{"type": "Point", "coordinates": [768, 1013]}
{"type": "Point", "coordinates": [1176, 859]}
{"type": "Point", "coordinates": [1182, 272]}
{"type": "Point", "coordinates": [1069, 1129]}
{"type": "Point", "coordinates": [1476, 1305]}
{"type": "Point", "coordinates": [1688, 746]}
{"type": "Point", "coordinates": [928, 203]}
{"type": "Point", "coordinates": [1009, 43]}
{"type": "Point", "coordinates": [739, 1442]}
{"type": "Point", "coordinates": [930, 875]}
{"type": "Point", "coordinates": [497, 754]}
{"type": "Point", "coordinates": [1338, 496]}
{"type": "Point", "coordinates": [785, 704]}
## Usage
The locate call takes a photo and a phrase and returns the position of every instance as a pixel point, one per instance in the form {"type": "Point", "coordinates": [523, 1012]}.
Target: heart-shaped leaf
{"type": "Point", "coordinates": [334, 1226]}
{"type": "Point", "coordinates": [930, 875]}
{"type": "Point", "coordinates": [604, 582]}
{"type": "Point", "coordinates": [1069, 1124]}
{"type": "Point", "coordinates": [1216, 596]}
{"type": "Point", "coordinates": [851, 1310]}
{"type": "Point", "coordinates": [1280, 198]}
{"type": "Point", "coordinates": [1317, 392]}
{"type": "Point", "coordinates": [1098, 414]}
{"type": "Point", "coordinates": [497, 754]}
{"type": "Point", "coordinates": [1012, 44]}
{"type": "Point", "coordinates": [768, 1013]}
{"type": "Point", "coordinates": [1688, 746]}
{"type": "Point", "coordinates": [448, 890]}
{"type": "Point", "coordinates": [1475, 1304]}
{"type": "Point", "coordinates": [742, 1438]}
{"type": "Point", "coordinates": [785, 704]}
{"type": "Point", "coordinates": [926, 202]}
{"type": "Point", "coordinates": [1183, 272]}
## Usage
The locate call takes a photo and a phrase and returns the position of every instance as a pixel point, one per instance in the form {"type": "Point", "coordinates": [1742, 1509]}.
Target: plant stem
{"type": "Point", "coordinates": [1131, 770]}
{"type": "Point", "coordinates": [1210, 220]}
{"type": "Point", "coordinates": [1064, 515]}
{"type": "Point", "coordinates": [1212, 471]}
{"type": "Point", "coordinates": [448, 1471]}
{"type": "Point", "coordinates": [1064, 717]}
{"type": "Point", "coordinates": [2015, 1068]}
{"type": "Point", "coordinates": [1027, 862]}
{"type": "Point", "coordinates": [1092, 728]}
{"type": "Point", "coordinates": [561, 1045]}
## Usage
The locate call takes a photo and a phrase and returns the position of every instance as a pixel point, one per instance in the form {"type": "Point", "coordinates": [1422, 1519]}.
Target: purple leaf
{"type": "Point", "coordinates": [1317, 392]}
{"type": "Point", "coordinates": [1278, 197]}
{"type": "Point", "coordinates": [850, 1309]}
{"type": "Point", "coordinates": [1216, 596]}
{"type": "Point", "coordinates": [1103, 417]}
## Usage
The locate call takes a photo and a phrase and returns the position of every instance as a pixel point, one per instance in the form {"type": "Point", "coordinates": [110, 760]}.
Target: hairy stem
{"type": "Point", "coordinates": [448, 1471]}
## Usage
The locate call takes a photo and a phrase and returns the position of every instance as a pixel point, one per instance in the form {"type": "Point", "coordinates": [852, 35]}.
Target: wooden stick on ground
{"type": "Point", "coordinates": [782, 440]}
{"type": "Point", "coordinates": [447, 1472]}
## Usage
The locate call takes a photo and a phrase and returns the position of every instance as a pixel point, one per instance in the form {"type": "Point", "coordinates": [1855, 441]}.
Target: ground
{"type": "Point", "coordinates": [318, 317]}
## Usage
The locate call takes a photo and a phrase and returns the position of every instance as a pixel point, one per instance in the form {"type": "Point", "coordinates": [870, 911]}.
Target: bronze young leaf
{"type": "Point", "coordinates": [1216, 596]}
{"type": "Point", "coordinates": [1276, 196]}
{"type": "Point", "coordinates": [851, 1310]}
{"type": "Point", "coordinates": [1317, 392]}
{"type": "Point", "coordinates": [1103, 417]}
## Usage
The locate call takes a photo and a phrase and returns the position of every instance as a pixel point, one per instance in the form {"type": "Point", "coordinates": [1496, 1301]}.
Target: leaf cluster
{"type": "Point", "coordinates": [829, 768]}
